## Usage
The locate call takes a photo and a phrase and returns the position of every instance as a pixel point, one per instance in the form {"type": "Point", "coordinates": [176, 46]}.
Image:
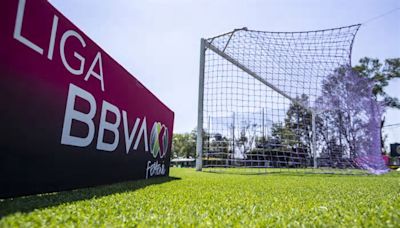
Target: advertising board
{"type": "Point", "coordinates": [71, 116]}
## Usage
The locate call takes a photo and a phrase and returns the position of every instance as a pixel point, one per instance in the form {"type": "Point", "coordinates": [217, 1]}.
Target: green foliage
{"type": "Point", "coordinates": [184, 145]}
{"type": "Point", "coordinates": [215, 200]}
{"type": "Point", "coordinates": [297, 129]}
{"type": "Point", "coordinates": [298, 120]}
{"type": "Point", "coordinates": [380, 74]}
{"type": "Point", "coordinates": [283, 134]}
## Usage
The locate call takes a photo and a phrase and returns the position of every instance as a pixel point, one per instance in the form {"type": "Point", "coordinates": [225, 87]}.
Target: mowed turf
{"type": "Point", "coordinates": [190, 198]}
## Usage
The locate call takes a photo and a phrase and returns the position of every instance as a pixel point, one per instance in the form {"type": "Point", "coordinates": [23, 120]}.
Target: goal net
{"type": "Point", "coordinates": [286, 101]}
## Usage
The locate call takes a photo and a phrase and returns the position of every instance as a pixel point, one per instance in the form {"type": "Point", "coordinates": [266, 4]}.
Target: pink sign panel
{"type": "Point", "coordinates": [71, 116]}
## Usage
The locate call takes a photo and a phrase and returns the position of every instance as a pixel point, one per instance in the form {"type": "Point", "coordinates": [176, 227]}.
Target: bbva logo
{"type": "Point", "coordinates": [158, 135]}
{"type": "Point", "coordinates": [159, 140]}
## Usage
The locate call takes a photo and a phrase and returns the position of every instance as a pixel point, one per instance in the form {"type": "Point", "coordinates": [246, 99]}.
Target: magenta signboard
{"type": "Point", "coordinates": [71, 116]}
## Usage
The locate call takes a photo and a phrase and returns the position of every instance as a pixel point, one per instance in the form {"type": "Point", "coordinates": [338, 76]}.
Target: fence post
{"type": "Point", "coordinates": [314, 146]}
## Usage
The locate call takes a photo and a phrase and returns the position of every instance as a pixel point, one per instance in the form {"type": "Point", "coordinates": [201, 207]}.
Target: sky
{"type": "Point", "coordinates": [158, 41]}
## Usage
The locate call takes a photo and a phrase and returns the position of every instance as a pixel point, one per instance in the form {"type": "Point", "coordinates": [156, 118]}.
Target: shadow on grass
{"type": "Point", "coordinates": [27, 204]}
{"type": "Point", "coordinates": [303, 173]}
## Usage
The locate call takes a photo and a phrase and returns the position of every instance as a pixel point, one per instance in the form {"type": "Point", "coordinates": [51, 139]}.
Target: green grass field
{"type": "Point", "coordinates": [190, 198]}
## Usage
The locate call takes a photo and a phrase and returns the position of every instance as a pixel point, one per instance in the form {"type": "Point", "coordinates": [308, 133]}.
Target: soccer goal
{"type": "Point", "coordinates": [285, 101]}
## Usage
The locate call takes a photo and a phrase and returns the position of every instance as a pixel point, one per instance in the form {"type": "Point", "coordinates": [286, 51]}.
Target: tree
{"type": "Point", "coordinates": [380, 74]}
{"type": "Point", "coordinates": [283, 135]}
{"type": "Point", "coordinates": [299, 121]}
{"type": "Point", "coordinates": [296, 130]}
{"type": "Point", "coordinates": [293, 137]}
{"type": "Point", "coordinates": [184, 145]}
{"type": "Point", "coordinates": [349, 110]}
